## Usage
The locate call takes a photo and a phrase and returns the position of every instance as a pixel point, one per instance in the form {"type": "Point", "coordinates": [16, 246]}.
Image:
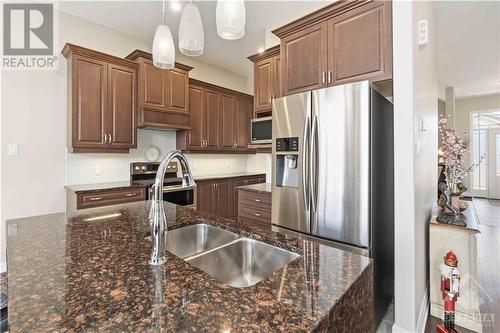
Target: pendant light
{"type": "Point", "coordinates": [163, 46]}
{"type": "Point", "coordinates": [191, 34]}
{"type": "Point", "coordinates": [230, 17]}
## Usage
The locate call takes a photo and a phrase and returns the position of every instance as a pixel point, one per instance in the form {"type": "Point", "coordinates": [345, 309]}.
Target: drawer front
{"type": "Point", "coordinates": [255, 214]}
{"type": "Point", "coordinates": [257, 200]}
{"type": "Point", "coordinates": [107, 198]}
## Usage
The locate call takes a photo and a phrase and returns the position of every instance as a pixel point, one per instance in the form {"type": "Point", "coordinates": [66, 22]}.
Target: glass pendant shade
{"type": "Point", "coordinates": [163, 48]}
{"type": "Point", "coordinates": [230, 17]}
{"type": "Point", "coordinates": [191, 35]}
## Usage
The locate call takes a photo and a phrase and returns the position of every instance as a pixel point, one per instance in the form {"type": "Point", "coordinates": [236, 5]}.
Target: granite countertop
{"type": "Point", "coordinates": [90, 272]}
{"type": "Point", "coordinates": [103, 186]}
{"type": "Point", "coordinates": [257, 188]}
{"type": "Point", "coordinates": [228, 175]}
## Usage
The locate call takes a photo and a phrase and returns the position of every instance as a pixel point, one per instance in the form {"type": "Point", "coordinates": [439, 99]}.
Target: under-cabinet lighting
{"type": "Point", "coordinates": [102, 217]}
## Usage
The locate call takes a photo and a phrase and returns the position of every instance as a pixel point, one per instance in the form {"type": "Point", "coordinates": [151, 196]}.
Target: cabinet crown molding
{"type": "Point", "coordinates": [268, 53]}
{"type": "Point", "coordinates": [72, 49]}
{"type": "Point", "coordinates": [203, 84]}
{"type": "Point", "coordinates": [318, 16]}
{"type": "Point", "coordinates": [146, 55]}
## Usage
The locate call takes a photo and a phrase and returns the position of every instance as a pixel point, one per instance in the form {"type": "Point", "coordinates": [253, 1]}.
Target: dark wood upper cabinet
{"type": "Point", "coordinates": [163, 98]}
{"type": "Point", "coordinates": [305, 59]}
{"type": "Point", "coordinates": [122, 102]}
{"type": "Point", "coordinates": [344, 42]}
{"type": "Point", "coordinates": [267, 78]}
{"type": "Point", "coordinates": [220, 120]}
{"type": "Point", "coordinates": [361, 46]}
{"type": "Point", "coordinates": [102, 94]}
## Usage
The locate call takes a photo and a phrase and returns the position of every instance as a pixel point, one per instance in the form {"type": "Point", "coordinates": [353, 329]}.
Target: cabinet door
{"type": "Point", "coordinates": [152, 85]}
{"type": "Point", "coordinates": [228, 121]}
{"type": "Point", "coordinates": [204, 196]}
{"type": "Point", "coordinates": [177, 92]}
{"type": "Point", "coordinates": [89, 83]}
{"type": "Point", "coordinates": [304, 56]}
{"type": "Point", "coordinates": [263, 84]}
{"type": "Point", "coordinates": [121, 113]}
{"type": "Point", "coordinates": [212, 118]}
{"type": "Point", "coordinates": [223, 198]}
{"type": "Point", "coordinates": [360, 44]}
{"type": "Point", "coordinates": [236, 184]}
{"type": "Point", "coordinates": [195, 135]}
{"type": "Point", "coordinates": [277, 77]}
{"type": "Point", "coordinates": [243, 118]}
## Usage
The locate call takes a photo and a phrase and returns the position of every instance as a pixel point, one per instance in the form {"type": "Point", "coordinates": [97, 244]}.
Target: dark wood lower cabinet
{"type": "Point", "coordinates": [220, 196]}
{"type": "Point", "coordinates": [254, 207]}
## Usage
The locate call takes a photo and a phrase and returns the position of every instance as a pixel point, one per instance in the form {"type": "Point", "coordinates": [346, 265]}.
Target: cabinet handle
{"type": "Point", "coordinates": [257, 214]}
{"type": "Point", "coordinates": [110, 138]}
{"type": "Point", "coordinates": [131, 194]}
{"type": "Point", "coordinates": [324, 77]}
{"type": "Point", "coordinates": [95, 198]}
{"type": "Point", "coordinates": [329, 77]}
{"type": "Point", "coordinates": [257, 200]}
{"type": "Point", "coordinates": [105, 138]}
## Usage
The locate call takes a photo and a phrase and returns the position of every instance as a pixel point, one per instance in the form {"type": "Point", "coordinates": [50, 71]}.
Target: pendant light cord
{"type": "Point", "coordinates": [164, 21]}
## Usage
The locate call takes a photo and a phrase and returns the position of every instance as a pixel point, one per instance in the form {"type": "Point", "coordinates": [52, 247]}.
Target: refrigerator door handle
{"type": "Point", "coordinates": [305, 164]}
{"type": "Point", "coordinates": [314, 167]}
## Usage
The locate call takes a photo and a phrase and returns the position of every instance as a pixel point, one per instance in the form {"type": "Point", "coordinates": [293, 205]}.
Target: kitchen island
{"type": "Point", "coordinates": [89, 271]}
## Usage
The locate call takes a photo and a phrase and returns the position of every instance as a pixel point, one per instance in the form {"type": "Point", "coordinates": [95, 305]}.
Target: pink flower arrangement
{"type": "Point", "coordinates": [454, 151]}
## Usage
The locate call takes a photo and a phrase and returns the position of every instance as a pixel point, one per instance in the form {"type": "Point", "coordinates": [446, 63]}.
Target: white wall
{"type": "Point", "coordinates": [260, 163]}
{"type": "Point", "coordinates": [415, 97]}
{"type": "Point", "coordinates": [34, 116]}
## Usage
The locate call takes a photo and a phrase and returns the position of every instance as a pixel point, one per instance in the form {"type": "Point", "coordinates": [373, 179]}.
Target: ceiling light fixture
{"type": "Point", "coordinates": [163, 45]}
{"type": "Point", "coordinates": [230, 18]}
{"type": "Point", "coordinates": [175, 5]}
{"type": "Point", "coordinates": [191, 34]}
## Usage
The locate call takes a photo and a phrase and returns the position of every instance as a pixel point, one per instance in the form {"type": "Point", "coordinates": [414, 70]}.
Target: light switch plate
{"type": "Point", "coordinates": [423, 32]}
{"type": "Point", "coordinates": [13, 149]}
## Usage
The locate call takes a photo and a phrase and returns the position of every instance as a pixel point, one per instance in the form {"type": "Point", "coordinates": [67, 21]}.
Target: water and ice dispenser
{"type": "Point", "coordinates": [287, 172]}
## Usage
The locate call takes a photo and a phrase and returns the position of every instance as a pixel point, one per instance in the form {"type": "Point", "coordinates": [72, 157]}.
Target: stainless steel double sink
{"type": "Point", "coordinates": [239, 262]}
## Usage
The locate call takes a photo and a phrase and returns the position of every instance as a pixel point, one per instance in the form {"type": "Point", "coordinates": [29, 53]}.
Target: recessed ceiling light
{"type": "Point", "coordinates": [261, 50]}
{"type": "Point", "coordinates": [175, 5]}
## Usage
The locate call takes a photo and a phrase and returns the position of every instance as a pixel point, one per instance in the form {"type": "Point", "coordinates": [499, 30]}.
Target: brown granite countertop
{"type": "Point", "coordinates": [90, 272]}
{"type": "Point", "coordinates": [228, 175]}
{"type": "Point", "coordinates": [103, 186]}
{"type": "Point", "coordinates": [257, 188]}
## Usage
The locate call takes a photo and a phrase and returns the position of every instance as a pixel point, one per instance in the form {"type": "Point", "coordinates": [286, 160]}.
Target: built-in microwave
{"type": "Point", "coordinates": [262, 130]}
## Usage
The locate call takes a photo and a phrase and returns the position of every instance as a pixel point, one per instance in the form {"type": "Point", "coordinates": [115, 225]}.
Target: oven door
{"type": "Point", "coordinates": [179, 196]}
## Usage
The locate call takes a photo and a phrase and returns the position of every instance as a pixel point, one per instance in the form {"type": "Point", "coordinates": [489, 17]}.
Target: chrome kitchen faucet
{"type": "Point", "coordinates": [157, 218]}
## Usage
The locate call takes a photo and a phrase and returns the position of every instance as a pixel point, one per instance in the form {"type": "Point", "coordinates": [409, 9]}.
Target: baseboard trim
{"type": "Point", "coordinates": [424, 311]}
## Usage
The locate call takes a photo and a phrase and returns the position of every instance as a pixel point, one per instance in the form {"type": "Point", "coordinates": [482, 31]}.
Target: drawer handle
{"type": "Point", "coordinates": [95, 198]}
{"type": "Point", "coordinates": [257, 214]}
{"type": "Point", "coordinates": [131, 194]}
{"type": "Point", "coordinates": [257, 200]}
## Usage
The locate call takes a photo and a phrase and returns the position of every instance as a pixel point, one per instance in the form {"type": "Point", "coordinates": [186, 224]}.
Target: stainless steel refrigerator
{"type": "Point", "coordinates": [332, 156]}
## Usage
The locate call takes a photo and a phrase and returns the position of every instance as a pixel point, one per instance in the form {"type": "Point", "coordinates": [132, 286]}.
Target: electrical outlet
{"type": "Point", "coordinates": [13, 149]}
{"type": "Point", "coordinates": [98, 170]}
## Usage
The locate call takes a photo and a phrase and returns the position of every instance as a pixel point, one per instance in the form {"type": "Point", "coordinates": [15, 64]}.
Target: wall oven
{"type": "Point", "coordinates": [261, 130]}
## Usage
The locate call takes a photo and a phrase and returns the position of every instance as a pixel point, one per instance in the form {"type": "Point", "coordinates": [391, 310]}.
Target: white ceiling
{"type": "Point", "coordinates": [139, 19]}
{"type": "Point", "coordinates": [468, 37]}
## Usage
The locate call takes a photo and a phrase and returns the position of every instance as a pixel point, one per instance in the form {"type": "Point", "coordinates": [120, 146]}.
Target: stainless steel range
{"type": "Point", "coordinates": [145, 173]}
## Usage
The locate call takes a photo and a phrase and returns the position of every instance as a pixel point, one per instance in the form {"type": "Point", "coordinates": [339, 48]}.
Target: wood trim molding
{"type": "Point", "coordinates": [203, 84]}
{"type": "Point", "coordinates": [143, 54]}
{"type": "Point", "coordinates": [318, 16]}
{"type": "Point", "coordinates": [268, 53]}
{"type": "Point", "coordinates": [70, 49]}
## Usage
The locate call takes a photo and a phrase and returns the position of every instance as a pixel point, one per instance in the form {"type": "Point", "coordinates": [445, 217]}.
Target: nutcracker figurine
{"type": "Point", "coordinates": [450, 280]}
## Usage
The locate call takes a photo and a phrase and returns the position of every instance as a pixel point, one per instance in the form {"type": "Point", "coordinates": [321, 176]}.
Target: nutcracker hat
{"type": "Point", "coordinates": [450, 259]}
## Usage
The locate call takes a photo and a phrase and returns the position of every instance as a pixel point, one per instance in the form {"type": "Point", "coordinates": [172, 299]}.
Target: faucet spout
{"type": "Point", "coordinates": [157, 218]}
